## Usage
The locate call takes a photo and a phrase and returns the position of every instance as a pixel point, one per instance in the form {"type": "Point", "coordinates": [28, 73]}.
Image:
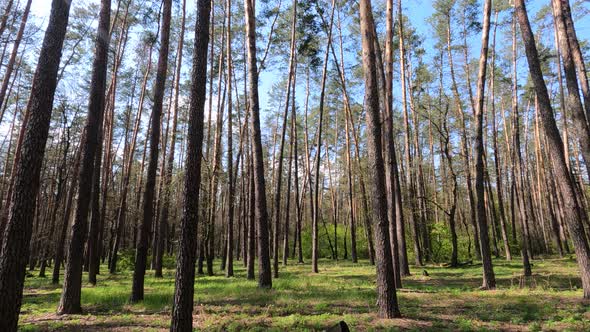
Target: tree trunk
{"type": "Point", "coordinates": [298, 196]}
{"type": "Point", "coordinates": [251, 219]}
{"type": "Point", "coordinates": [572, 212]}
{"type": "Point", "coordinates": [229, 272]}
{"type": "Point", "coordinates": [13, 54]}
{"type": "Point", "coordinates": [17, 234]}
{"type": "Point", "coordinates": [61, 183]}
{"type": "Point", "coordinates": [517, 168]}
{"type": "Point", "coordinates": [351, 131]}
{"type": "Point", "coordinates": [316, 182]}
{"type": "Point", "coordinates": [390, 157]}
{"type": "Point", "coordinates": [61, 242]}
{"type": "Point", "coordinates": [408, 156]}
{"type": "Point", "coordinates": [489, 280]}
{"type": "Point", "coordinates": [141, 251]}
{"type": "Point", "coordinates": [91, 260]}
{"type": "Point", "coordinates": [170, 166]}
{"type": "Point", "coordinates": [279, 170]}
{"type": "Point", "coordinates": [574, 102]}
{"type": "Point", "coordinates": [577, 55]}
{"type": "Point", "coordinates": [72, 288]}
{"type": "Point", "coordinates": [386, 293]}
{"type": "Point", "coordinates": [289, 182]}
{"type": "Point", "coordinates": [464, 142]}
{"type": "Point", "coordinates": [128, 164]}
{"type": "Point", "coordinates": [5, 16]}
{"type": "Point", "coordinates": [264, 269]}
{"type": "Point", "coordinates": [499, 181]}
{"type": "Point", "coordinates": [182, 310]}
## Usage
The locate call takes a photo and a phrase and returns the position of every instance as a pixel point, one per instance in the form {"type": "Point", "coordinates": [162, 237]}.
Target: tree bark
{"type": "Point", "coordinates": [141, 251]}
{"type": "Point", "coordinates": [61, 183]}
{"type": "Point", "coordinates": [408, 156]}
{"type": "Point", "coordinates": [489, 280]}
{"type": "Point", "coordinates": [499, 181]}
{"type": "Point", "coordinates": [229, 268]}
{"type": "Point", "coordinates": [5, 16]}
{"type": "Point", "coordinates": [386, 293]}
{"type": "Point", "coordinates": [390, 157]}
{"type": "Point", "coordinates": [251, 219]}
{"type": "Point", "coordinates": [13, 54]}
{"type": "Point", "coordinates": [72, 288]}
{"type": "Point", "coordinates": [264, 269]}
{"type": "Point", "coordinates": [17, 235]}
{"type": "Point", "coordinates": [517, 168]}
{"type": "Point", "coordinates": [61, 242]}
{"type": "Point", "coordinates": [182, 310]}
{"type": "Point", "coordinates": [577, 55]}
{"type": "Point", "coordinates": [128, 164]}
{"type": "Point", "coordinates": [279, 170]}
{"type": "Point", "coordinates": [170, 165]}
{"type": "Point", "coordinates": [292, 158]}
{"type": "Point", "coordinates": [316, 197]}
{"type": "Point", "coordinates": [91, 259]}
{"type": "Point", "coordinates": [574, 102]}
{"type": "Point", "coordinates": [464, 141]}
{"type": "Point", "coordinates": [572, 212]}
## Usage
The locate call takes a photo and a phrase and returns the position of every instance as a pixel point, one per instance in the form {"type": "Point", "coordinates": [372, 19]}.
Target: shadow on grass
{"type": "Point", "coordinates": [75, 325]}
{"type": "Point", "coordinates": [448, 299]}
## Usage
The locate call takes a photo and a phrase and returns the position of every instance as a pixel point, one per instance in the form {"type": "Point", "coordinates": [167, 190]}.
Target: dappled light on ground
{"type": "Point", "coordinates": [448, 298]}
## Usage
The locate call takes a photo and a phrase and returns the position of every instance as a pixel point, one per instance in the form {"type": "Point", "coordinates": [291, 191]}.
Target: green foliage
{"type": "Point", "coordinates": [441, 242]}
{"type": "Point", "coordinates": [324, 244]}
{"type": "Point", "coordinates": [126, 260]}
{"type": "Point", "coordinates": [308, 32]}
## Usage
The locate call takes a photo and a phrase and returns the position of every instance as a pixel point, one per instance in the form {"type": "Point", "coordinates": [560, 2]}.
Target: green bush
{"type": "Point", "coordinates": [324, 244]}
{"type": "Point", "coordinates": [126, 260]}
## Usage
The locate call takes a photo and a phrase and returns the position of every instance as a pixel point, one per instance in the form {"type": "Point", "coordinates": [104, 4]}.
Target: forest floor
{"type": "Point", "coordinates": [447, 299]}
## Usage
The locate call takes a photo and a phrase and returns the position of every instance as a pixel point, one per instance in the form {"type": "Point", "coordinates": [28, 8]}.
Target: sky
{"type": "Point", "coordinates": [417, 10]}
{"type": "Point", "coordinates": [41, 7]}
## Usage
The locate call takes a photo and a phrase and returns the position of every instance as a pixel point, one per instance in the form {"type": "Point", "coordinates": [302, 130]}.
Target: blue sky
{"type": "Point", "coordinates": [417, 10]}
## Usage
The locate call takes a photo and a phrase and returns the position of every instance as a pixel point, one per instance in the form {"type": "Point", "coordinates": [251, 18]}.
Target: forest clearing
{"type": "Point", "coordinates": [228, 165]}
{"type": "Point", "coordinates": [448, 300]}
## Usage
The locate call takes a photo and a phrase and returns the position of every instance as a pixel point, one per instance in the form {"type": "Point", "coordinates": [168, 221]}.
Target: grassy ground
{"type": "Point", "coordinates": [447, 299]}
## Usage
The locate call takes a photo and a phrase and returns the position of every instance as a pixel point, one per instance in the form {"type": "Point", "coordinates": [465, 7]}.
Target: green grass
{"type": "Point", "coordinates": [448, 299]}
